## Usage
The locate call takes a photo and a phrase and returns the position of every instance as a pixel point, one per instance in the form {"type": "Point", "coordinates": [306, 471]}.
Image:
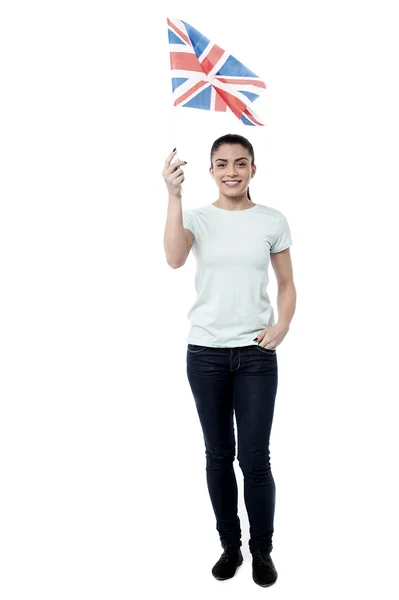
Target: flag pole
{"type": "Point", "coordinates": [175, 127]}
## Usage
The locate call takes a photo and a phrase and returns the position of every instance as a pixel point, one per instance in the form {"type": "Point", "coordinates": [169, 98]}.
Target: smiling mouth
{"type": "Point", "coordinates": [232, 183]}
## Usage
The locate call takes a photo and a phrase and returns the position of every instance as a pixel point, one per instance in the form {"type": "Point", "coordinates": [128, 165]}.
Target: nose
{"type": "Point", "coordinates": [232, 171]}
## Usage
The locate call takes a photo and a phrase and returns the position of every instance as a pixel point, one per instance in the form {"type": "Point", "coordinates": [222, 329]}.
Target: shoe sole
{"type": "Point", "coordinates": [226, 578]}
{"type": "Point", "coordinates": [265, 584]}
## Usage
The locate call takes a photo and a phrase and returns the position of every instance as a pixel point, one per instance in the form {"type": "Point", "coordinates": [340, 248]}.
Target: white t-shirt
{"type": "Point", "coordinates": [232, 249]}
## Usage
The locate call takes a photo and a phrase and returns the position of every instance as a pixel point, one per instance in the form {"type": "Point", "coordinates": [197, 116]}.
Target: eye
{"type": "Point", "coordinates": [242, 164]}
{"type": "Point", "coordinates": [220, 165]}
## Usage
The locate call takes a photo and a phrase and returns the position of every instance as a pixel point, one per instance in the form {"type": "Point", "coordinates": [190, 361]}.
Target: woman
{"type": "Point", "coordinates": [233, 240]}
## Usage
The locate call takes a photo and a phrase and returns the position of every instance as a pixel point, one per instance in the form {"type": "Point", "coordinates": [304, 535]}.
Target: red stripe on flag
{"type": "Point", "coordinates": [195, 87]}
{"type": "Point", "coordinates": [185, 61]}
{"type": "Point", "coordinates": [212, 58]}
{"type": "Point", "coordinates": [220, 104]}
{"type": "Point", "coordinates": [235, 105]}
{"type": "Point", "coordinates": [179, 32]}
{"type": "Point", "coordinates": [255, 82]}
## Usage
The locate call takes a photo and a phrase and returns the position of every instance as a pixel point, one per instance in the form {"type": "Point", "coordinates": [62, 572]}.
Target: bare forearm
{"type": "Point", "coordinates": [174, 239]}
{"type": "Point", "coordinates": [286, 303]}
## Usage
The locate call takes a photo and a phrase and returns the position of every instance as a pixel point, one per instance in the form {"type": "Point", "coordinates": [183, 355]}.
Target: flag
{"type": "Point", "coordinates": [207, 77]}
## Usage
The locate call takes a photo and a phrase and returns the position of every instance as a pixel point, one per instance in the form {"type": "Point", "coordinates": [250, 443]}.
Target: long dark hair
{"type": "Point", "coordinates": [234, 138]}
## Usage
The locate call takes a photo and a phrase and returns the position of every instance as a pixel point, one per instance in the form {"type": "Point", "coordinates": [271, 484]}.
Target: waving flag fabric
{"type": "Point", "coordinates": [205, 76]}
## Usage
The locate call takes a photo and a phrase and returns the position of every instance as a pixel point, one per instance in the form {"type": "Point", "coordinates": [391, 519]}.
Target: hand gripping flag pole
{"type": "Point", "coordinates": [207, 77]}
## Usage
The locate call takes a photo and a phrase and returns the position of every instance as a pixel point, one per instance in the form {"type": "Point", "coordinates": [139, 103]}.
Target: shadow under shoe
{"type": "Point", "coordinates": [263, 570]}
{"type": "Point", "coordinates": [227, 564]}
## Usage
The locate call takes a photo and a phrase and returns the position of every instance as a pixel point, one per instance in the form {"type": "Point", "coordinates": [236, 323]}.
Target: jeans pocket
{"type": "Point", "coordinates": [195, 349]}
{"type": "Point", "coordinates": [267, 350]}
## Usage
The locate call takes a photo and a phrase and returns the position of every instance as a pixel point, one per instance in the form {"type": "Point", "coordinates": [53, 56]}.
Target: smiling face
{"type": "Point", "coordinates": [232, 169]}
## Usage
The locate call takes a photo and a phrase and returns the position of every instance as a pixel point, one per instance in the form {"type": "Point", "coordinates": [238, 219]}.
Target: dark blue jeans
{"type": "Point", "coordinates": [243, 381]}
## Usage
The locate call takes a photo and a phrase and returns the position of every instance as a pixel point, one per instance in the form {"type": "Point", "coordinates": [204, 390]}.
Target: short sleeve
{"type": "Point", "coordinates": [283, 236]}
{"type": "Point", "coordinates": [189, 220]}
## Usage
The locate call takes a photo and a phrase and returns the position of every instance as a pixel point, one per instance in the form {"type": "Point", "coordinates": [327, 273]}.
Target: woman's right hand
{"type": "Point", "coordinates": [173, 174]}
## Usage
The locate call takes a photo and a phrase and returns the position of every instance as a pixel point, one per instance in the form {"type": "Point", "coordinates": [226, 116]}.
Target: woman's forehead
{"type": "Point", "coordinates": [231, 151]}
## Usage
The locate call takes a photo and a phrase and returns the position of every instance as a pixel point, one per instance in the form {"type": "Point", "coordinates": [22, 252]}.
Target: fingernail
{"type": "Point", "coordinates": [255, 339]}
{"type": "Point", "coordinates": [185, 162]}
{"type": "Point", "coordinates": [173, 149]}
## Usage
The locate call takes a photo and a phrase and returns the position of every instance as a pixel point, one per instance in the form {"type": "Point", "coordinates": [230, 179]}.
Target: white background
{"type": "Point", "coordinates": [103, 489]}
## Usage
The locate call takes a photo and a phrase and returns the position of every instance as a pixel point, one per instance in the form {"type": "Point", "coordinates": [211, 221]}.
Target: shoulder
{"type": "Point", "coordinates": [198, 210]}
{"type": "Point", "coordinates": [199, 213]}
{"type": "Point", "coordinates": [272, 215]}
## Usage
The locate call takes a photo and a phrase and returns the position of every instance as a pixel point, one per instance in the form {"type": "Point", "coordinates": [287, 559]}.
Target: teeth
{"type": "Point", "coordinates": [231, 183]}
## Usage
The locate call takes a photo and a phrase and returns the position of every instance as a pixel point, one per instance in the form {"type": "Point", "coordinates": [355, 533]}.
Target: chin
{"type": "Point", "coordinates": [231, 192]}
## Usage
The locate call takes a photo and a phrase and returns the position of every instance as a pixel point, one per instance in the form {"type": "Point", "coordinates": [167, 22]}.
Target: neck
{"type": "Point", "coordinates": [236, 203]}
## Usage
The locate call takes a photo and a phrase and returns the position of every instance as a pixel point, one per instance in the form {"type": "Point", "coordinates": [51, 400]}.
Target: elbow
{"type": "Point", "coordinates": [175, 265]}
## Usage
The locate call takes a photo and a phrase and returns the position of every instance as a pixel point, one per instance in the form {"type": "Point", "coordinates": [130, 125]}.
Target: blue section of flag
{"type": "Point", "coordinates": [173, 39]}
{"type": "Point", "coordinates": [198, 40]}
{"type": "Point", "coordinates": [176, 81]}
{"type": "Point", "coordinates": [249, 95]}
{"type": "Point", "coordinates": [246, 121]}
{"type": "Point", "coordinates": [234, 67]}
{"type": "Point", "coordinates": [201, 100]}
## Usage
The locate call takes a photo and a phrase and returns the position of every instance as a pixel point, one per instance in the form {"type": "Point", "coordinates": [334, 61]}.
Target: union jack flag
{"type": "Point", "coordinates": [206, 76]}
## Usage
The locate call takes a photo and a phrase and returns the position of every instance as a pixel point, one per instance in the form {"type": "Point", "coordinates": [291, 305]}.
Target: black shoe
{"type": "Point", "coordinates": [227, 564]}
{"type": "Point", "coordinates": [263, 570]}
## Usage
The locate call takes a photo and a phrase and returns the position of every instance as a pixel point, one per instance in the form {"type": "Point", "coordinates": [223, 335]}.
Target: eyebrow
{"type": "Point", "coordinates": [225, 159]}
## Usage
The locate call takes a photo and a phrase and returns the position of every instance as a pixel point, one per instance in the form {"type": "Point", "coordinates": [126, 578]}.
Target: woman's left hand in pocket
{"type": "Point", "coordinates": [271, 337]}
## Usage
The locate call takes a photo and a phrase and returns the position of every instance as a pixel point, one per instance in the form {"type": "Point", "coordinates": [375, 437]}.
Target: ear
{"type": "Point", "coordinates": [211, 171]}
{"type": "Point", "coordinates": [253, 171]}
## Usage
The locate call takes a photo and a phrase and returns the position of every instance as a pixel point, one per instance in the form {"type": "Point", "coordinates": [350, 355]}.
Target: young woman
{"type": "Point", "coordinates": [230, 372]}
